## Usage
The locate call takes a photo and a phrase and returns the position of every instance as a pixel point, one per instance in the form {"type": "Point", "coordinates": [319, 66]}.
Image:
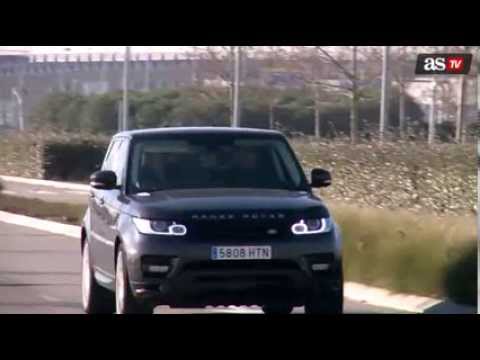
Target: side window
{"type": "Point", "coordinates": [119, 160]}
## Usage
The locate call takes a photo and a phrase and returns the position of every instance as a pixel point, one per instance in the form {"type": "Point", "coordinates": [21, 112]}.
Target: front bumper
{"type": "Point", "coordinates": [194, 280]}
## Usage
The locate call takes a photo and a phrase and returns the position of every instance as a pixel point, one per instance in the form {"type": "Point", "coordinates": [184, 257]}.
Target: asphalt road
{"type": "Point", "coordinates": [40, 274]}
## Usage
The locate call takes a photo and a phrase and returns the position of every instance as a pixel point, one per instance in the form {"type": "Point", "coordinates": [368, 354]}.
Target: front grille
{"type": "Point", "coordinates": [257, 273]}
{"type": "Point", "coordinates": [326, 258]}
{"type": "Point", "coordinates": [239, 230]}
{"type": "Point", "coordinates": [257, 279]}
{"type": "Point", "coordinates": [252, 266]}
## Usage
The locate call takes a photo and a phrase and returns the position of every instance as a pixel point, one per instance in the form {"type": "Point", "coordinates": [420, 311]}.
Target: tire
{"type": "Point", "coordinates": [95, 298]}
{"type": "Point", "coordinates": [326, 300]}
{"type": "Point", "coordinates": [277, 309]}
{"type": "Point", "coordinates": [125, 302]}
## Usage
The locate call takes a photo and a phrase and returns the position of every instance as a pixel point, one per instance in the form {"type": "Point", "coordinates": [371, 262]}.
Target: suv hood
{"type": "Point", "coordinates": [180, 204]}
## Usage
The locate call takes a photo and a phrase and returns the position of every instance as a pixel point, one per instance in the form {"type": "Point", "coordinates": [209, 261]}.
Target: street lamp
{"type": "Point", "coordinates": [19, 99]}
{"type": "Point", "coordinates": [125, 89]}
{"type": "Point", "coordinates": [384, 109]}
{"type": "Point", "coordinates": [236, 88]}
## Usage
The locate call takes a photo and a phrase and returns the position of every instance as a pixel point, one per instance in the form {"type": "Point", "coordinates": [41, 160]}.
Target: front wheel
{"type": "Point", "coordinates": [327, 299]}
{"type": "Point", "coordinates": [125, 302]}
{"type": "Point", "coordinates": [95, 298]}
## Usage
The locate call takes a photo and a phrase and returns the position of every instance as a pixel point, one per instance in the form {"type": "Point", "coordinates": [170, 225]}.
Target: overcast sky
{"type": "Point", "coordinates": [96, 49]}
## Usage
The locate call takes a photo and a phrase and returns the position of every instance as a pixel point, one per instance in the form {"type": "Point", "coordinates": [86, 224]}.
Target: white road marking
{"type": "Point", "coordinates": [78, 192]}
{"type": "Point", "coordinates": [44, 192]}
{"type": "Point", "coordinates": [50, 298]}
{"type": "Point", "coordinates": [10, 192]}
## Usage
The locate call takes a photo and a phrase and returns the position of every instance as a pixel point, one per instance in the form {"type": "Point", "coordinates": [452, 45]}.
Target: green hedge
{"type": "Point", "coordinates": [72, 161]}
{"type": "Point", "coordinates": [51, 155]}
{"type": "Point", "coordinates": [203, 106]}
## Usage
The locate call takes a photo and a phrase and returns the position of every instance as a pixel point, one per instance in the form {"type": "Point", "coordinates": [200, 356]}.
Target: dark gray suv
{"type": "Point", "coordinates": [195, 217]}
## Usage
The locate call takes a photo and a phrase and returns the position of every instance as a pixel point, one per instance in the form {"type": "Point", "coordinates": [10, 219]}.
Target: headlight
{"type": "Point", "coordinates": [159, 227]}
{"type": "Point", "coordinates": [312, 226]}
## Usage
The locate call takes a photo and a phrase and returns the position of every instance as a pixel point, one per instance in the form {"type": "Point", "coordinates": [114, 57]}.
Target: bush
{"type": "Point", "coordinates": [21, 155]}
{"type": "Point", "coordinates": [460, 280]}
{"type": "Point", "coordinates": [407, 253]}
{"type": "Point", "coordinates": [72, 161]}
{"type": "Point", "coordinates": [410, 175]}
{"type": "Point", "coordinates": [203, 106]}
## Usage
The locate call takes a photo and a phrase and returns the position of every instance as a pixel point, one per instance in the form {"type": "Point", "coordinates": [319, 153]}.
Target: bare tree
{"type": "Point", "coordinates": [460, 129]}
{"type": "Point", "coordinates": [401, 72]}
{"type": "Point", "coordinates": [338, 68]}
{"type": "Point", "coordinates": [215, 66]}
{"type": "Point", "coordinates": [274, 59]}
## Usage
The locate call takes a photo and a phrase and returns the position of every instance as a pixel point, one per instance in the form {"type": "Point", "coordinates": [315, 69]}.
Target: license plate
{"type": "Point", "coordinates": [241, 252]}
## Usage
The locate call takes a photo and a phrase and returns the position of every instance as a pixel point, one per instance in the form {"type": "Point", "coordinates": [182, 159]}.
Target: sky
{"type": "Point", "coordinates": [95, 49]}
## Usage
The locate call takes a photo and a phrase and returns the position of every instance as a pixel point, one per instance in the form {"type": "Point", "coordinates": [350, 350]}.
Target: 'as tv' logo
{"type": "Point", "coordinates": [443, 64]}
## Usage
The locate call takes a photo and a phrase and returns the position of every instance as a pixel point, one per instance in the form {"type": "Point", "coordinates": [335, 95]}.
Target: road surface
{"type": "Point", "coordinates": [40, 274]}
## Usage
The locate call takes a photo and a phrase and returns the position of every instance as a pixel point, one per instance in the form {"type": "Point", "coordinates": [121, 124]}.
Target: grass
{"type": "Point", "coordinates": [410, 253]}
{"type": "Point", "coordinates": [398, 250]}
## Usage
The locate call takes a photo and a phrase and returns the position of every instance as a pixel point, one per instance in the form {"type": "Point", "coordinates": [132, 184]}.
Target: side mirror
{"type": "Point", "coordinates": [321, 178]}
{"type": "Point", "coordinates": [104, 180]}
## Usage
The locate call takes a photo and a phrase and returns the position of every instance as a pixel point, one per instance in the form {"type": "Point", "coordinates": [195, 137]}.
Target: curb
{"type": "Point", "coordinates": [352, 291]}
{"type": "Point", "coordinates": [47, 183]}
{"type": "Point", "coordinates": [385, 298]}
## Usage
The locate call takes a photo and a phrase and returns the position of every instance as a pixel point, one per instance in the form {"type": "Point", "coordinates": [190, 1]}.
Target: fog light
{"type": "Point", "coordinates": [157, 269]}
{"type": "Point", "coordinates": [320, 267]}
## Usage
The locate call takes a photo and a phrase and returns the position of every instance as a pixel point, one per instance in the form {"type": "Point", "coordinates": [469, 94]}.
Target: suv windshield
{"type": "Point", "coordinates": [199, 162]}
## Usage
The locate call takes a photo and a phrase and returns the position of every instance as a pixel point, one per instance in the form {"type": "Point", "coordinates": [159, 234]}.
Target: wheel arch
{"type": "Point", "coordinates": [83, 237]}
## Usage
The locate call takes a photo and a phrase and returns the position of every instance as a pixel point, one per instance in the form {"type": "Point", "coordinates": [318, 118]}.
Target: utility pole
{"type": "Point", "coordinates": [354, 106]}
{"type": "Point", "coordinates": [120, 116]}
{"type": "Point", "coordinates": [317, 111]}
{"type": "Point", "coordinates": [431, 122]}
{"type": "Point", "coordinates": [236, 90]}
{"type": "Point", "coordinates": [459, 129]}
{"type": "Point", "coordinates": [384, 108]}
{"type": "Point", "coordinates": [125, 89]}
{"type": "Point", "coordinates": [18, 97]}
{"type": "Point", "coordinates": [147, 72]}
{"type": "Point", "coordinates": [401, 114]}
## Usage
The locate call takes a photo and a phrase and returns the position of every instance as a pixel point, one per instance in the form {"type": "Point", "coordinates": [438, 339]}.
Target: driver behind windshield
{"type": "Point", "coordinates": [153, 172]}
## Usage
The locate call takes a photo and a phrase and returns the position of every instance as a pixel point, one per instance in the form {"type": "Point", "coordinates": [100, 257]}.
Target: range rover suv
{"type": "Point", "coordinates": [196, 217]}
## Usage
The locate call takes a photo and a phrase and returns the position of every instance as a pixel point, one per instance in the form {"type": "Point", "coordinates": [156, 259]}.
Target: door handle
{"type": "Point", "coordinates": [101, 201]}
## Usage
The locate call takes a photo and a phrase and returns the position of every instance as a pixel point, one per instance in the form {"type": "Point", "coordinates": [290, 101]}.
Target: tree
{"type": "Point", "coordinates": [58, 111]}
{"type": "Point", "coordinates": [215, 66]}
{"type": "Point", "coordinates": [275, 60]}
{"type": "Point", "coordinates": [337, 68]}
